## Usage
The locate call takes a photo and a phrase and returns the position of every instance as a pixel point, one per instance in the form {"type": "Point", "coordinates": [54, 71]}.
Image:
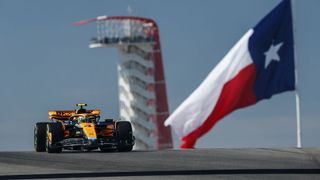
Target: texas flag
{"type": "Point", "coordinates": [259, 65]}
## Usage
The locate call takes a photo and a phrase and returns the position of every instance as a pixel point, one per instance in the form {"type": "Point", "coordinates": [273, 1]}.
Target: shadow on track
{"type": "Point", "coordinates": [98, 151]}
{"type": "Point", "coordinates": [163, 173]}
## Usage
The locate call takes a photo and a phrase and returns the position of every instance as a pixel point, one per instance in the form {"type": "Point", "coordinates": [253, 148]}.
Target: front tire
{"type": "Point", "coordinates": [54, 136]}
{"type": "Point", "coordinates": [40, 129]}
{"type": "Point", "coordinates": [124, 135]}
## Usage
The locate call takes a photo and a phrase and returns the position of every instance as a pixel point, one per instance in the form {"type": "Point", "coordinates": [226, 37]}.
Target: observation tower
{"type": "Point", "coordinates": [141, 81]}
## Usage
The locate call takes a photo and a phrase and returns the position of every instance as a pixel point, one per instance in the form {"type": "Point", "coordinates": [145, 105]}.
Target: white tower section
{"type": "Point", "coordinates": [142, 93]}
{"type": "Point", "coordinates": [135, 98]}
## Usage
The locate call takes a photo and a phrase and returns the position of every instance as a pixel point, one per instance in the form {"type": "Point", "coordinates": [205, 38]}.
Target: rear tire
{"type": "Point", "coordinates": [124, 136]}
{"type": "Point", "coordinates": [56, 131]}
{"type": "Point", "coordinates": [40, 129]}
{"type": "Point", "coordinates": [125, 148]}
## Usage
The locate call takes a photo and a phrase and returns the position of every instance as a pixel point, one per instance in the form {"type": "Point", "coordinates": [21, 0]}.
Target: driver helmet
{"type": "Point", "coordinates": [81, 119]}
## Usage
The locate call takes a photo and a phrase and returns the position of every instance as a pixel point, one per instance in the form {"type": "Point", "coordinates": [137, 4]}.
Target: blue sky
{"type": "Point", "coordinates": [46, 64]}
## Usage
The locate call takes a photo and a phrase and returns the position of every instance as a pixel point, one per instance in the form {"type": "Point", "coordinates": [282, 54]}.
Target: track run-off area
{"type": "Point", "coordinates": [284, 163]}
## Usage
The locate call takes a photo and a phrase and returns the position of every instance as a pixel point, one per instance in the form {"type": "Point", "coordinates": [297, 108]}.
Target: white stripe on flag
{"type": "Point", "coordinates": [192, 113]}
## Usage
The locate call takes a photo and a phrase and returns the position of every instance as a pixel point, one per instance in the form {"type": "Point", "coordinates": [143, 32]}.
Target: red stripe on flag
{"type": "Point", "coordinates": [236, 93]}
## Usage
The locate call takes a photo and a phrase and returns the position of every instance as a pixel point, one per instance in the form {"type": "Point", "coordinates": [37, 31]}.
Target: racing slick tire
{"type": "Point", "coordinates": [124, 136]}
{"type": "Point", "coordinates": [39, 138]}
{"type": "Point", "coordinates": [53, 136]}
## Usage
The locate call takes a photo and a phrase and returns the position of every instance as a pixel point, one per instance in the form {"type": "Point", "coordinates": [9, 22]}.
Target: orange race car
{"type": "Point", "coordinates": [82, 129]}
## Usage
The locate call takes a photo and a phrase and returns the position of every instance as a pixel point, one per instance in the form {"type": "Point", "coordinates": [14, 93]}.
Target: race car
{"type": "Point", "coordinates": [82, 129]}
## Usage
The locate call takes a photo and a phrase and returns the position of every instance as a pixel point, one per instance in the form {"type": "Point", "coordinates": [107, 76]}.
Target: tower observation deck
{"type": "Point", "coordinates": [141, 81]}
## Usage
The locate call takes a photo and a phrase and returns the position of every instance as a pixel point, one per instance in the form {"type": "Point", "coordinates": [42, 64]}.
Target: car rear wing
{"type": "Point", "coordinates": [66, 114]}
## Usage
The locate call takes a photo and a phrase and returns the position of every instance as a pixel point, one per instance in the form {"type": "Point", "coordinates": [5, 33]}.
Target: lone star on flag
{"type": "Point", "coordinates": [272, 54]}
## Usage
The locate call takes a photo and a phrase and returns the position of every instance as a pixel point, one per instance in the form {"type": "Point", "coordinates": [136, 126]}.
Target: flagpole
{"type": "Point", "coordinates": [299, 144]}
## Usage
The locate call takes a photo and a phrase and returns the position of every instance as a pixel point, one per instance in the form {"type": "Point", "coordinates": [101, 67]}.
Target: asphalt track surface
{"type": "Point", "coordinates": [288, 163]}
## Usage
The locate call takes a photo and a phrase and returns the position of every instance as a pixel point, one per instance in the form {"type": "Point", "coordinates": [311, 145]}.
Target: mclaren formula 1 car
{"type": "Point", "coordinates": [82, 129]}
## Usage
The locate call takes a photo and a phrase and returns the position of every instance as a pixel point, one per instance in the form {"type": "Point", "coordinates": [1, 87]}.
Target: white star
{"type": "Point", "coordinates": [272, 54]}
